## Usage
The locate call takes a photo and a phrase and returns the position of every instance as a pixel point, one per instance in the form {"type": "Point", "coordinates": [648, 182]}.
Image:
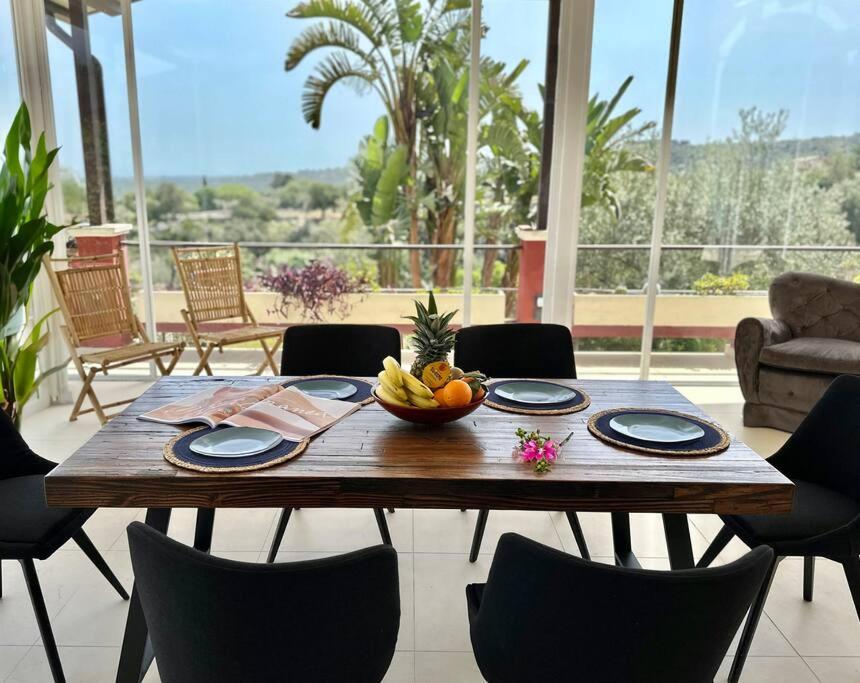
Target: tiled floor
{"type": "Point", "coordinates": [796, 641]}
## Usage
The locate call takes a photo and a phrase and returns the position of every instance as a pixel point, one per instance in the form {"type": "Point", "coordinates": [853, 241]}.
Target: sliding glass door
{"type": "Point", "coordinates": [765, 174]}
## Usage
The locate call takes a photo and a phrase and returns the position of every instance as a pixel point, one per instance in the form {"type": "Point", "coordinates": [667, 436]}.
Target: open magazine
{"type": "Point", "coordinates": [290, 412]}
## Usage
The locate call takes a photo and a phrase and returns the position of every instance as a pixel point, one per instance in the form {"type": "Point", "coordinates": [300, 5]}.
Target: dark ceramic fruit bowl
{"type": "Point", "coordinates": [429, 416]}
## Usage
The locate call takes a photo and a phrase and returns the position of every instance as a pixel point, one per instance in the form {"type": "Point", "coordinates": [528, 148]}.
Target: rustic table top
{"type": "Point", "coordinates": [372, 459]}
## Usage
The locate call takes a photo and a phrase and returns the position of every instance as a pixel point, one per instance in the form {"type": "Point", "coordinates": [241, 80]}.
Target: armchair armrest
{"type": "Point", "coordinates": [751, 336]}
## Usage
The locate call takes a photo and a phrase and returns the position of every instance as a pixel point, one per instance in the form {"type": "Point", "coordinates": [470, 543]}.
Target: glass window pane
{"type": "Point", "coordinates": [509, 279]}
{"type": "Point", "coordinates": [765, 153]}
{"type": "Point", "coordinates": [10, 98]}
{"type": "Point", "coordinates": [629, 57]}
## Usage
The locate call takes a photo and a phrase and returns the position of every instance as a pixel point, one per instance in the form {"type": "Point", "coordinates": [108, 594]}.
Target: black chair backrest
{"type": "Point", "coordinates": [825, 448]}
{"type": "Point", "coordinates": [516, 350]}
{"type": "Point", "coordinates": [548, 616]}
{"type": "Point", "coordinates": [355, 350]}
{"type": "Point", "coordinates": [213, 620]}
{"type": "Point", "coordinates": [16, 458]}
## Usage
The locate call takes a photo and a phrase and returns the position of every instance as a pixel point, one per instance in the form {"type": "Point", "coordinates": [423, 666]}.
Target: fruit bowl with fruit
{"type": "Point", "coordinates": [433, 392]}
{"type": "Point", "coordinates": [414, 401]}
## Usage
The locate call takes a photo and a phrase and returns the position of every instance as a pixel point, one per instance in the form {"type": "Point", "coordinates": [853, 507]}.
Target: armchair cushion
{"type": "Point", "coordinates": [814, 354]}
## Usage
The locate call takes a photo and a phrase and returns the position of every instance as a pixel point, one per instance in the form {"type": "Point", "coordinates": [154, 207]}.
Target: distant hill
{"type": "Point", "coordinates": [683, 153]}
{"type": "Point", "coordinates": [256, 181]}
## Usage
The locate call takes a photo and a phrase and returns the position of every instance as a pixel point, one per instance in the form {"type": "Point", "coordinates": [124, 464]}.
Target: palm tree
{"type": "Point", "coordinates": [381, 46]}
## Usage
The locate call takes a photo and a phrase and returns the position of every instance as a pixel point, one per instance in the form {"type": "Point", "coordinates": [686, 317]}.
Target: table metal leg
{"type": "Point", "coordinates": [136, 654]}
{"type": "Point", "coordinates": [203, 530]}
{"type": "Point", "coordinates": [624, 556]}
{"type": "Point", "coordinates": [678, 541]}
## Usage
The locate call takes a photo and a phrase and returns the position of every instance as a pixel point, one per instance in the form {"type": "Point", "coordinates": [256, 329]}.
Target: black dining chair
{"type": "Point", "coordinates": [351, 350]}
{"type": "Point", "coordinates": [30, 530]}
{"type": "Point", "coordinates": [822, 458]}
{"type": "Point", "coordinates": [545, 616]}
{"type": "Point", "coordinates": [522, 350]}
{"type": "Point", "coordinates": [214, 620]}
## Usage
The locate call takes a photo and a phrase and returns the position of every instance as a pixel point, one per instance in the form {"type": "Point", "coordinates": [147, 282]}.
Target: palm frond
{"type": "Point", "coordinates": [333, 69]}
{"type": "Point", "coordinates": [320, 36]}
{"type": "Point", "coordinates": [361, 18]}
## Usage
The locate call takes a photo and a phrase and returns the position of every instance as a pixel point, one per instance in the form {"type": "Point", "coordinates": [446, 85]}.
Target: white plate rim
{"type": "Point", "coordinates": [505, 394]}
{"type": "Point", "coordinates": [623, 429]}
{"type": "Point", "coordinates": [325, 379]}
{"type": "Point", "coordinates": [207, 454]}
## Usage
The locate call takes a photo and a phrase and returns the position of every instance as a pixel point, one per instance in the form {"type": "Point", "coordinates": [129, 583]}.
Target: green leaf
{"type": "Point", "coordinates": [409, 19]}
{"type": "Point", "coordinates": [385, 198]}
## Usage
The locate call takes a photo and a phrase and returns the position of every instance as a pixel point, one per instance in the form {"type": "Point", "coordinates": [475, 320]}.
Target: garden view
{"type": "Point", "coordinates": [755, 186]}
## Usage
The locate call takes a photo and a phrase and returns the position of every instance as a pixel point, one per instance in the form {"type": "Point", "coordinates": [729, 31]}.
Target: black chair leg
{"type": "Point", "coordinates": [808, 577]}
{"type": "Point", "coordinates": [479, 534]}
{"type": "Point", "coordinates": [85, 544]}
{"type": "Point", "coordinates": [575, 526]}
{"type": "Point", "coordinates": [852, 573]}
{"type": "Point", "coordinates": [752, 623]}
{"type": "Point", "coordinates": [279, 534]}
{"type": "Point", "coordinates": [383, 525]}
{"type": "Point", "coordinates": [721, 541]}
{"type": "Point", "coordinates": [42, 619]}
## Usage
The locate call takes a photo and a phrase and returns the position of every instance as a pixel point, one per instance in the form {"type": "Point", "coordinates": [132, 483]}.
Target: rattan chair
{"type": "Point", "coordinates": [94, 298]}
{"type": "Point", "coordinates": [212, 282]}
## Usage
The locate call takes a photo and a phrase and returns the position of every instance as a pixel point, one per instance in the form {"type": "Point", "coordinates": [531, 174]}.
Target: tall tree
{"type": "Point", "coordinates": [382, 46]}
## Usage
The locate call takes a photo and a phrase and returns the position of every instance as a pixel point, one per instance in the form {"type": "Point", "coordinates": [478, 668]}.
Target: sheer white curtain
{"type": "Point", "coordinates": [35, 83]}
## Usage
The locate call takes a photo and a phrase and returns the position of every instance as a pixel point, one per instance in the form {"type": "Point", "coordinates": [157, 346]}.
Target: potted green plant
{"type": "Point", "coordinates": [25, 238]}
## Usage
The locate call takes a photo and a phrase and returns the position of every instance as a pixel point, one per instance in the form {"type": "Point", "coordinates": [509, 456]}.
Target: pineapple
{"type": "Point", "coordinates": [433, 339]}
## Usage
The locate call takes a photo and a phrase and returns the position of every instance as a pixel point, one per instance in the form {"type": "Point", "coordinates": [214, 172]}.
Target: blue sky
{"type": "Point", "coordinates": [215, 99]}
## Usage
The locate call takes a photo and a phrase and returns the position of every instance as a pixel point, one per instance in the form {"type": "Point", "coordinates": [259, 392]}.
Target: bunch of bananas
{"type": "Point", "coordinates": [402, 389]}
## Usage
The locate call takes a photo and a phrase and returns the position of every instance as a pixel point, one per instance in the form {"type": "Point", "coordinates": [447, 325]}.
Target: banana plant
{"type": "Point", "coordinates": [381, 170]}
{"type": "Point", "coordinates": [25, 238]}
{"type": "Point", "coordinates": [605, 152]}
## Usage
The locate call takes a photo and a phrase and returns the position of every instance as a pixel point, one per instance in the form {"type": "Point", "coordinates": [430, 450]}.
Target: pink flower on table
{"type": "Point", "coordinates": [530, 451]}
{"type": "Point", "coordinates": [549, 450]}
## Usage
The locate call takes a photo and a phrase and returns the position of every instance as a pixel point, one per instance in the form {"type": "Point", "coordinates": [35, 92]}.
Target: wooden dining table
{"type": "Point", "coordinates": [371, 459]}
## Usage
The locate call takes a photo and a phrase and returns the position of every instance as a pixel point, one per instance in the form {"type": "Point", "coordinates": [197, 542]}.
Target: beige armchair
{"type": "Point", "coordinates": [784, 364]}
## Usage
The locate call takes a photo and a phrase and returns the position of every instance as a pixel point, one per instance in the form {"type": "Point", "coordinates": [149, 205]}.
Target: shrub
{"type": "Point", "coordinates": [316, 290]}
{"type": "Point", "coordinates": [721, 284]}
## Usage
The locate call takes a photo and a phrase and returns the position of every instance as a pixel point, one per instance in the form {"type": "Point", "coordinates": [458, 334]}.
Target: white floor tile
{"type": "Point", "coordinates": [340, 530]}
{"type": "Point", "coordinates": [402, 669]}
{"type": "Point", "coordinates": [10, 655]}
{"type": "Point", "coordinates": [827, 626]}
{"type": "Point", "coordinates": [451, 531]}
{"type": "Point", "coordinates": [80, 665]}
{"type": "Point", "coordinates": [451, 667]}
{"type": "Point", "coordinates": [835, 669]}
{"type": "Point", "coordinates": [770, 670]}
{"type": "Point", "coordinates": [441, 622]}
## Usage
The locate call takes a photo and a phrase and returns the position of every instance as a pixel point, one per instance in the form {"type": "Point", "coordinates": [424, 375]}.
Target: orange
{"type": "Point", "coordinates": [439, 395]}
{"type": "Point", "coordinates": [457, 393]}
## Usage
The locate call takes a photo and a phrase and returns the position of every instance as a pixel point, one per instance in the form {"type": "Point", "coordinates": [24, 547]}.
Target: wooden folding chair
{"type": "Point", "coordinates": [212, 281]}
{"type": "Point", "coordinates": [95, 301]}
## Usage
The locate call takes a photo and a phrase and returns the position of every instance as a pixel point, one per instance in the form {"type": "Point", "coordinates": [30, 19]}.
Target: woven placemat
{"type": "Point", "coordinates": [715, 440]}
{"type": "Point", "coordinates": [178, 452]}
{"type": "Point", "coordinates": [580, 401]}
{"type": "Point", "coordinates": [363, 396]}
